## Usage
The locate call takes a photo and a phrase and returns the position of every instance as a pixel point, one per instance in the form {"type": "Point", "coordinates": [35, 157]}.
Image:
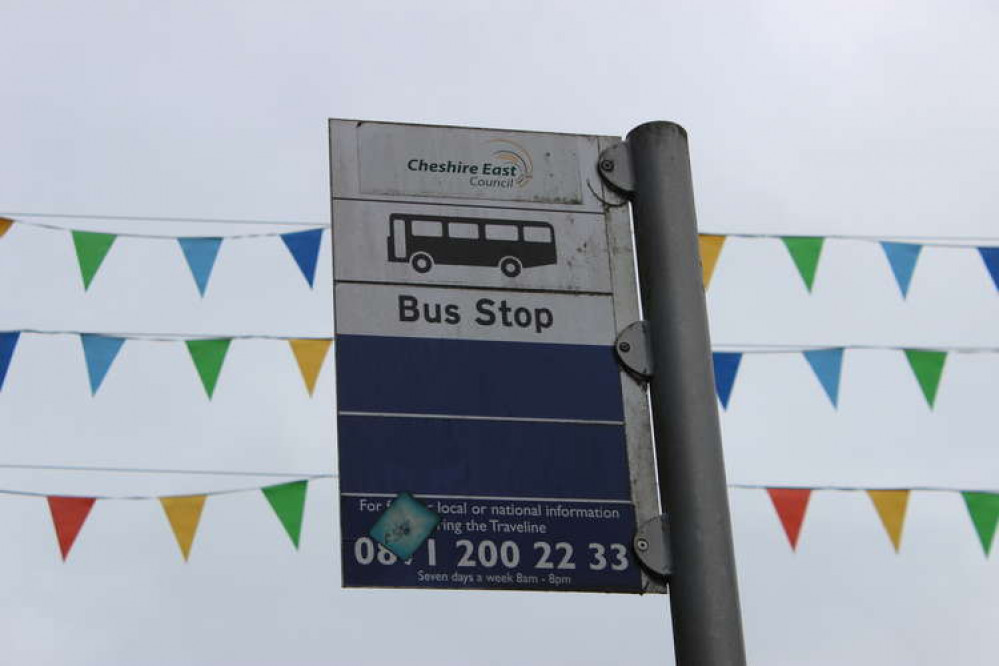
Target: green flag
{"type": "Point", "coordinates": [928, 367]}
{"type": "Point", "coordinates": [805, 251]}
{"type": "Point", "coordinates": [208, 356]}
{"type": "Point", "coordinates": [91, 248]}
{"type": "Point", "coordinates": [288, 502]}
{"type": "Point", "coordinates": [984, 511]}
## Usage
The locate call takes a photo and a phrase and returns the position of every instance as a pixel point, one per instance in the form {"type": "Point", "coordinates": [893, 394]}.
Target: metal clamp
{"type": "Point", "coordinates": [652, 546]}
{"type": "Point", "coordinates": [615, 168]}
{"type": "Point", "coordinates": [633, 350]}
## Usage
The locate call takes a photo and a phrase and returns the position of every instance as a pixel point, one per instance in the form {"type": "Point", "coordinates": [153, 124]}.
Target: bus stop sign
{"type": "Point", "coordinates": [487, 438]}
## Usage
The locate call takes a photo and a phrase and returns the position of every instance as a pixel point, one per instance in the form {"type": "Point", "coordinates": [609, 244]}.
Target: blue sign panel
{"type": "Point", "coordinates": [482, 434]}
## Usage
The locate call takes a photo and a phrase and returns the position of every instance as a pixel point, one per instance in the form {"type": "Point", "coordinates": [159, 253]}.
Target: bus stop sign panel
{"type": "Point", "coordinates": [476, 307]}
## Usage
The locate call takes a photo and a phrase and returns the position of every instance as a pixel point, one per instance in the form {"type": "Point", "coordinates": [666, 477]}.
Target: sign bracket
{"type": "Point", "coordinates": [652, 546]}
{"type": "Point", "coordinates": [634, 352]}
{"type": "Point", "coordinates": [615, 168]}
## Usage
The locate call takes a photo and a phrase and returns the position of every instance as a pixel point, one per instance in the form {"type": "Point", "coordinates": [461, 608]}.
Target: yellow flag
{"type": "Point", "coordinates": [891, 505]}
{"type": "Point", "coordinates": [310, 354]}
{"type": "Point", "coordinates": [711, 247]}
{"type": "Point", "coordinates": [5, 224]}
{"type": "Point", "coordinates": [184, 513]}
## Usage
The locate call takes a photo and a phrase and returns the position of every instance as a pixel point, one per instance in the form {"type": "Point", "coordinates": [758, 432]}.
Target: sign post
{"type": "Point", "coordinates": [653, 168]}
{"type": "Point", "coordinates": [480, 284]}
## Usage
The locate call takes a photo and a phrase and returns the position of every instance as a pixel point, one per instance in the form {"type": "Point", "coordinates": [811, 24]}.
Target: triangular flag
{"type": "Point", "coordinates": [288, 502]}
{"type": "Point", "coordinates": [184, 514]}
{"type": "Point", "coordinates": [99, 352]}
{"type": "Point", "coordinates": [805, 251]}
{"type": "Point", "coordinates": [902, 259]}
{"type": "Point", "coordinates": [990, 255]}
{"type": "Point", "coordinates": [984, 511]}
{"type": "Point", "coordinates": [827, 364]}
{"type": "Point", "coordinates": [8, 341]}
{"type": "Point", "coordinates": [790, 504]}
{"type": "Point", "coordinates": [5, 224]}
{"type": "Point", "coordinates": [726, 366]}
{"type": "Point", "coordinates": [928, 367]}
{"type": "Point", "coordinates": [304, 247]}
{"type": "Point", "coordinates": [310, 354]}
{"type": "Point", "coordinates": [91, 248]}
{"type": "Point", "coordinates": [711, 247]}
{"type": "Point", "coordinates": [891, 505]}
{"type": "Point", "coordinates": [68, 515]}
{"type": "Point", "coordinates": [200, 254]}
{"type": "Point", "coordinates": [208, 356]}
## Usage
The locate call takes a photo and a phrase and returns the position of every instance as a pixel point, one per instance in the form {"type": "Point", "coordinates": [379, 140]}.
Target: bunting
{"type": "Point", "coordinates": [726, 366]}
{"type": "Point", "coordinates": [990, 255]}
{"type": "Point", "coordinates": [902, 259]}
{"type": "Point", "coordinates": [827, 364]}
{"type": "Point", "coordinates": [984, 511]}
{"type": "Point", "coordinates": [805, 252]}
{"type": "Point", "coordinates": [790, 504]}
{"type": "Point", "coordinates": [304, 248]}
{"type": "Point", "coordinates": [68, 516]}
{"type": "Point", "coordinates": [891, 505]}
{"type": "Point", "coordinates": [208, 356]}
{"type": "Point", "coordinates": [711, 247]}
{"type": "Point", "coordinates": [8, 342]}
{"type": "Point", "coordinates": [309, 354]}
{"type": "Point", "coordinates": [928, 367]}
{"type": "Point", "coordinates": [288, 502]}
{"type": "Point", "coordinates": [200, 254]}
{"type": "Point", "coordinates": [91, 248]}
{"type": "Point", "coordinates": [99, 352]}
{"type": "Point", "coordinates": [184, 514]}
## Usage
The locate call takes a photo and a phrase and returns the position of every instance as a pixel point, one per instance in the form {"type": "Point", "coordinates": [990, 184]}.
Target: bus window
{"type": "Point", "coordinates": [537, 234]}
{"type": "Point", "coordinates": [427, 228]}
{"type": "Point", "coordinates": [462, 230]}
{"type": "Point", "coordinates": [503, 233]}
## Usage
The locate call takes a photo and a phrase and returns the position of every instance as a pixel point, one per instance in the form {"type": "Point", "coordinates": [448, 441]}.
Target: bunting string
{"type": "Point", "coordinates": [208, 354]}
{"type": "Point", "coordinates": [287, 502]}
{"type": "Point", "coordinates": [200, 252]}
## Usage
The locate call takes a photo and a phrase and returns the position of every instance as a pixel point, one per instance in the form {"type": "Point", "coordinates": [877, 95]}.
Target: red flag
{"type": "Point", "coordinates": [68, 515]}
{"type": "Point", "coordinates": [790, 504]}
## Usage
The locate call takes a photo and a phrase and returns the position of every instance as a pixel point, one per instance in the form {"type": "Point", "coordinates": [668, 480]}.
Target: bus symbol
{"type": "Point", "coordinates": [425, 240]}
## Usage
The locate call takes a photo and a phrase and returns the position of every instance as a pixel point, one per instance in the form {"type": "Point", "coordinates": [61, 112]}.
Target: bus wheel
{"type": "Point", "coordinates": [421, 262]}
{"type": "Point", "coordinates": [510, 266]}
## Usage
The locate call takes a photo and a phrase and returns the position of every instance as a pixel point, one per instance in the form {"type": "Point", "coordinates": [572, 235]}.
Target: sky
{"type": "Point", "coordinates": [841, 119]}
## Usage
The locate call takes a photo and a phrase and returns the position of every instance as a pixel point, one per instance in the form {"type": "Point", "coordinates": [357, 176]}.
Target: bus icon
{"type": "Point", "coordinates": [425, 240]}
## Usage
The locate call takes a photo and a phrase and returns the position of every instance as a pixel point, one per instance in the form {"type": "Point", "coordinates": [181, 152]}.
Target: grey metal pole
{"type": "Point", "coordinates": [704, 596]}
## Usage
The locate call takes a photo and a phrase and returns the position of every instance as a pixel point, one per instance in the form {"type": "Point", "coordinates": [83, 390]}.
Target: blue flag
{"type": "Point", "coordinates": [902, 258]}
{"type": "Point", "coordinates": [827, 364]}
{"type": "Point", "coordinates": [99, 352]}
{"type": "Point", "coordinates": [304, 247]}
{"type": "Point", "coordinates": [990, 255]}
{"type": "Point", "coordinates": [726, 366]}
{"type": "Point", "coordinates": [200, 254]}
{"type": "Point", "coordinates": [8, 340]}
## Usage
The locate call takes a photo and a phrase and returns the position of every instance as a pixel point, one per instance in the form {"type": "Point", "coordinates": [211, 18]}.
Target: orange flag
{"type": "Point", "coordinates": [790, 504]}
{"type": "Point", "coordinates": [310, 354]}
{"type": "Point", "coordinates": [68, 516]}
{"type": "Point", "coordinates": [891, 505]}
{"type": "Point", "coordinates": [5, 225]}
{"type": "Point", "coordinates": [711, 247]}
{"type": "Point", "coordinates": [184, 514]}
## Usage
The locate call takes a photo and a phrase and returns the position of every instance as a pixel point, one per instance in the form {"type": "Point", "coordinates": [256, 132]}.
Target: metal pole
{"type": "Point", "coordinates": [704, 596]}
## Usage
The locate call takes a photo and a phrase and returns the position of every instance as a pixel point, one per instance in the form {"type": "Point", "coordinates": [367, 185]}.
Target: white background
{"type": "Point", "coordinates": [855, 118]}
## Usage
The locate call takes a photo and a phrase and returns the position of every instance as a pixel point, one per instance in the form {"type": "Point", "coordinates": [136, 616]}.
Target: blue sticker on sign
{"type": "Point", "coordinates": [404, 526]}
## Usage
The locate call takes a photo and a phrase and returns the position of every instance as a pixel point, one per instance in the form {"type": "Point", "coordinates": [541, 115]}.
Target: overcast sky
{"type": "Point", "coordinates": [827, 118]}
